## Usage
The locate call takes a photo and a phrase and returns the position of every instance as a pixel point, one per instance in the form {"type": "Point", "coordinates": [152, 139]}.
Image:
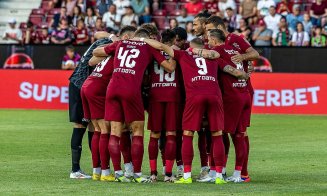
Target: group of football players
{"type": "Point", "coordinates": [202, 86]}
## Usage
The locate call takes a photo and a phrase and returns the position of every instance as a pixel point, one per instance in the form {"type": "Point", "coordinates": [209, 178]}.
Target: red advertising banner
{"type": "Point", "coordinates": [274, 93]}
{"type": "Point", "coordinates": [290, 93]}
{"type": "Point", "coordinates": [34, 89]}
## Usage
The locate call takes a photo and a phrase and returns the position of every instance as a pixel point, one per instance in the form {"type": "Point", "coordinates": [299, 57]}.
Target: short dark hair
{"type": "Point", "coordinates": [203, 15]}
{"type": "Point", "coordinates": [216, 21]}
{"type": "Point", "coordinates": [153, 30]}
{"type": "Point", "coordinates": [127, 29]}
{"type": "Point", "coordinates": [168, 35]}
{"type": "Point", "coordinates": [142, 33]}
{"type": "Point", "coordinates": [197, 41]}
{"type": "Point", "coordinates": [70, 47]}
{"type": "Point", "coordinates": [181, 32]}
{"type": "Point", "coordinates": [217, 33]}
{"type": "Point", "coordinates": [229, 8]}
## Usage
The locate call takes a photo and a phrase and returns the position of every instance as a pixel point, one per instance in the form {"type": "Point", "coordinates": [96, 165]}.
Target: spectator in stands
{"type": "Point", "coordinates": [318, 12]}
{"type": "Point", "coordinates": [262, 35]}
{"type": "Point", "coordinates": [233, 19]}
{"type": "Point", "coordinates": [272, 19]}
{"type": "Point", "coordinates": [29, 33]}
{"type": "Point", "coordinates": [248, 10]}
{"type": "Point", "coordinates": [173, 23]}
{"type": "Point", "coordinates": [282, 37]}
{"type": "Point", "coordinates": [211, 6]}
{"type": "Point", "coordinates": [57, 3]}
{"type": "Point", "coordinates": [81, 34]}
{"type": "Point", "coordinates": [90, 18]}
{"type": "Point", "coordinates": [112, 19]}
{"type": "Point", "coordinates": [70, 59]}
{"type": "Point", "coordinates": [263, 7]}
{"type": "Point", "coordinates": [43, 37]}
{"type": "Point", "coordinates": [194, 7]}
{"type": "Point", "coordinates": [184, 18]}
{"type": "Point", "coordinates": [98, 27]}
{"type": "Point", "coordinates": [142, 9]}
{"type": "Point", "coordinates": [129, 17]}
{"type": "Point", "coordinates": [284, 7]}
{"type": "Point", "coordinates": [12, 35]}
{"type": "Point", "coordinates": [293, 18]}
{"type": "Point", "coordinates": [77, 15]}
{"type": "Point", "coordinates": [103, 5]}
{"type": "Point", "coordinates": [318, 39]}
{"type": "Point", "coordinates": [81, 4]}
{"type": "Point", "coordinates": [300, 37]}
{"type": "Point", "coordinates": [307, 23]}
{"type": "Point", "coordinates": [69, 4]}
{"type": "Point", "coordinates": [189, 30]}
{"type": "Point", "coordinates": [58, 17]}
{"type": "Point", "coordinates": [62, 34]}
{"type": "Point", "coordinates": [155, 5]}
{"type": "Point", "coordinates": [120, 6]}
{"type": "Point", "coordinates": [50, 6]}
{"type": "Point", "coordinates": [244, 29]}
{"type": "Point", "coordinates": [224, 4]}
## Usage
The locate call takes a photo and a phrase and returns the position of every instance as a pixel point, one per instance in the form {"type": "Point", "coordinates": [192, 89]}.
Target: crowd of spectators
{"type": "Point", "coordinates": [262, 22]}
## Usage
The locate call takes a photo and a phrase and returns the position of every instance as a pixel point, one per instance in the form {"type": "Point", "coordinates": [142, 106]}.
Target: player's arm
{"type": "Point", "coordinates": [207, 54]}
{"type": "Point", "coordinates": [169, 65]}
{"type": "Point", "coordinates": [104, 34]}
{"type": "Point", "coordinates": [95, 60]}
{"type": "Point", "coordinates": [99, 52]}
{"type": "Point", "coordinates": [251, 54]}
{"type": "Point", "coordinates": [236, 72]}
{"type": "Point", "coordinates": [159, 46]}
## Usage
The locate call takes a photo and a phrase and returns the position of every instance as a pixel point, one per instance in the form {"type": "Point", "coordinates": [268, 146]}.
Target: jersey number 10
{"type": "Point", "coordinates": [126, 57]}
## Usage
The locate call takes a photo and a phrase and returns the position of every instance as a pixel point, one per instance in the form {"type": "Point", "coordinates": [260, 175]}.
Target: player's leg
{"type": "Point", "coordinates": [170, 155]}
{"type": "Point", "coordinates": [245, 173]}
{"type": "Point", "coordinates": [104, 152]}
{"type": "Point", "coordinates": [218, 154]}
{"type": "Point", "coordinates": [179, 161]}
{"type": "Point", "coordinates": [162, 144]}
{"type": "Point", "coordinates": [227, 146]}
{"type": "Point", "coordinates": [203, 152]}
{"type": "Point", "coordinates": [76, 115]}
{"type": "Point", "coordinates": [96, 151]}
{"type": "Point", "coordinates": [153, 153]}
{"type": "Point", "coordinates": [125, 148]}
{"type": "Point", "coordinates": [240, 148]}
{"type": "Point", "coordinates": [155, 124]}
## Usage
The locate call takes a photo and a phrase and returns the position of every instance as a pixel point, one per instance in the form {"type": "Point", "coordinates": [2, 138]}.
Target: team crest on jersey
{"type": "Point", "coordinates": [237, 46]}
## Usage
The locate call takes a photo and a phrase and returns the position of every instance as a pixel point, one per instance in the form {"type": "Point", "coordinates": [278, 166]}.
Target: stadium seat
{"type": "Point", "coordinates": [39, 11]}
{"type": "Point", "coordinates": [170, 6]}
{"type": "Point", "coordinates": [54, 11]}
{"type": "Point", "coordinates": [160, 21]}
{"type": "Point", "coordinates": [44, 5]}
{"type": "Point", "coordinates": [170, 0]}
{"type": "Point", "coordinates": [184, 1]}
{"type": "Point", "coordinates": [36, 19]}
{"type": "Point", "coordinates": [42, 25]}
{"type": "Point", "coordinates": [49, 18]}
{"type": "Point", "coordinates": [23, 25]}
{"type": "Point", "coordinates": [175, 13]}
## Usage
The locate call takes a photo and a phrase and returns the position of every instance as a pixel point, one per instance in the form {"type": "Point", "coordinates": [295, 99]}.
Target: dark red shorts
{"type": "Point", "coordinates": [123, 106]}
{"type": "Point", "coordinates": [93, 98]}
{"type": "Point", "coordinates": [164, 116]}
{"type": "Point", "coordinates": [197, 106]}
{"type": "Point", "coordinates": [237, 112]}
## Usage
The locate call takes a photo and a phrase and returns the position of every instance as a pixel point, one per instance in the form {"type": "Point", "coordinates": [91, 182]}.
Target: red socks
{"type": "Point", "coordinates": [246, 159]}
{"type": "Point", "coordinates": [226, 145]}
{"type": "Point", "coordinates": [218, 152]}
{"type": "Point", "coordinates": [95, 149]}
{"type": "Point", "coordinates": [153, 154]}
{"type": "Point", "coordinates": [239, 144]}
{"type": "Point", "coordinates": [187, 153]}
{"type": "Point", "coordinates": [104, 152]}
{"type": "Point", "coordinates": [170, 154]}
{"type": "Point", "coordinates": [114, 151]}
{"type": "Point", "coordinates": [202, 148]}
{"type": "Point", "coordinates": [137, 153]}
{"type": "Point", "coordinates": [125, 146]}
{"type": "Point", "coordinates": [179, 140]}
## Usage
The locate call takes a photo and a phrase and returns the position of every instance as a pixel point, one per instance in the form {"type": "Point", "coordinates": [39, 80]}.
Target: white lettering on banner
{"type": "Point", "coordinates": [286, 97]}
{"type": "Point", "coordinates": [43, 92]}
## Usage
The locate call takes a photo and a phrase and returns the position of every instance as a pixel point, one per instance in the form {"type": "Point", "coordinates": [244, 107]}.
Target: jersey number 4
{"type": "Point", "coordinates": [126, 57]}
{"type": "Point", "coordinates": [168, 77]}
{"type": "Point", "coordinates": [201, 63]}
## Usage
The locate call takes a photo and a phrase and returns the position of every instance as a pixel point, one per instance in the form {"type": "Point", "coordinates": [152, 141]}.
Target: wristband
{"type": "Point", "coordinates": [111, 35]}
{"type": "Point", "coordinates": [142, 39]}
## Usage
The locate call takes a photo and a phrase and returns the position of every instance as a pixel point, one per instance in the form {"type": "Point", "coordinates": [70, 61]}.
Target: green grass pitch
{"type": "Point", "coordinates": [288, 157]}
